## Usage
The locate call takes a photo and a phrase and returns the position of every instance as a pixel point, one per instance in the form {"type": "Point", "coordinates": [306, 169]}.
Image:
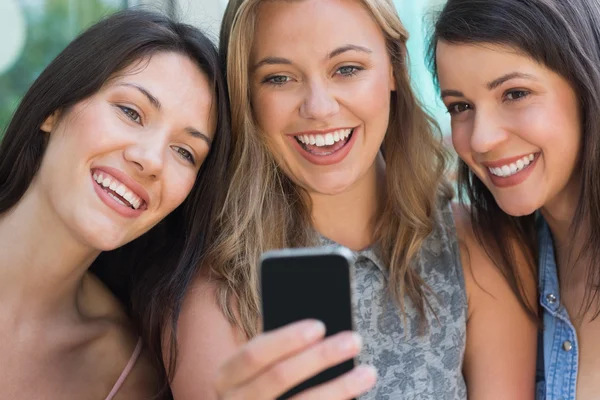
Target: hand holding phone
{"type": "Point", "coordinates": [309, 283]}
{"type": "Point", "coordinates": [272, 362]}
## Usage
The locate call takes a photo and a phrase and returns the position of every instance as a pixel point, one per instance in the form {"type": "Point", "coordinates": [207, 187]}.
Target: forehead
{"type": "Point", "coordinates": [313, 25]}
{"type": "Point", "coordinates": [481, 61]}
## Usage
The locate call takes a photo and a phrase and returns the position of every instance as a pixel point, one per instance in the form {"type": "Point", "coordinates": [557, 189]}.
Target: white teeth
{"type": "Point", "coordinates": [325, 140]}
{"type": "Point", "coordinates": [520, 164]}
{"type": "Point", "coordinates": [117, 199]}
{"type": "Point", "coordinates": [119, 188]}
{"type": "Point", "coordinates": [329, 139]}
{"type": "Point", "coordinates": [511, 169]}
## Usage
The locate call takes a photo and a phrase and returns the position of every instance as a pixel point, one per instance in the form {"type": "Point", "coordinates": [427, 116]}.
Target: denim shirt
{"type": "Point", "coordinates": [558, 350]}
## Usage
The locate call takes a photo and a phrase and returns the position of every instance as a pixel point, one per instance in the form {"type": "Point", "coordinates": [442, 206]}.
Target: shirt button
{"type": "Point", "coordinates": [567, 345]}
{"type": "Point", "coordinates": [551, 298]}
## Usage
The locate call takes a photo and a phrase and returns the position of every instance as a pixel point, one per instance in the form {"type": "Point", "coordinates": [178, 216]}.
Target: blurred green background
{"type": "Point", "coordinates": [33, 32]}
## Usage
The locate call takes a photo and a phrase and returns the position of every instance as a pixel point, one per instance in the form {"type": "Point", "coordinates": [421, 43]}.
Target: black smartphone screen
{"type": "Point", "coordinates": [301, 286]}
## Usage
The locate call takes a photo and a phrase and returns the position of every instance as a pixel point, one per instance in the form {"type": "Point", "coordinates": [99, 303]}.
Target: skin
{"type": "Point", "coordinates": [303, 88]}
{"type": "Point", "coordinates": [60, 325]}
{"type": "Point", "coordinates": [536, 113]}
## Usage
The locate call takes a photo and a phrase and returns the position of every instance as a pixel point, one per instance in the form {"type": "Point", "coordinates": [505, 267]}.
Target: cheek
{"type": "Point", "coordinates": [370, 98]}
{"type": "Point", "coordinates": [461, 140]}
{"type": "Point", "coordinates": [179, 183]}
{"type": "Point", "coordinates": [273, 110]}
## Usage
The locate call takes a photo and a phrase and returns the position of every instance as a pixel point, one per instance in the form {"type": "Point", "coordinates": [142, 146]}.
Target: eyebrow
{"type": "Point", "coordinates": [154, 101]}
{"type": "Point", "coordinates": [349, 47]}
{"type": "Point", "coordinates": [199, 135]}
{"type": "Point", "coordinates": [491, 85]}
{"type": "Point", "coordinates": [512, 75]}
{"type": "Point", "coordinates": [452, 93]}
{"type": "Point", "coordinates": [334, 53]}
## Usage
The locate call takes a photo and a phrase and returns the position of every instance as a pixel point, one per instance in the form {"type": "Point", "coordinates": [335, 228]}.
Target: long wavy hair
{"type": "Point", "coordinates": [564, 36]}
{"type": "Point", "coordinates": [150, 274]}
{"type": "Point", "coordinates": [265, 210]}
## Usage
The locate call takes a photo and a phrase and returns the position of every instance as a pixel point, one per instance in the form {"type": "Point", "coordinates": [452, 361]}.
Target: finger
{"type": "Point", "coordinates": [348, 386]}
{"type": "Point", "coordinates": [288, 373]}
{"type": "Point", "coordinates": [266, 349]}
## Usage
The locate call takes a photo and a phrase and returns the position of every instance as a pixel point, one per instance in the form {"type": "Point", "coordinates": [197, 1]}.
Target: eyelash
{"type": "Point", "coordinates": [186, 155]}
{"type": "Point", "coordinates": [270, 80]}
{"type": "Point", "coordinates": [131, 114]}
{"type": "Point", "coordinates": [523, 94]}
{"type": "Point", "coordinates": [452, 111]}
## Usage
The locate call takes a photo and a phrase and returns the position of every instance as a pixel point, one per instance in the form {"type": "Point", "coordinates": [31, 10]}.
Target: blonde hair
{"type": "Point", "coordinates": [265, 210]}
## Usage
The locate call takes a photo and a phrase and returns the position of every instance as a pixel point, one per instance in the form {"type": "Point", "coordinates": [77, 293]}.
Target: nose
{"type": "Point", "coordinates": [488, 132]}
{"type": "Point", "coordinates": [318, 103]}
{"type": "Point", "coordinates": [147, 155]}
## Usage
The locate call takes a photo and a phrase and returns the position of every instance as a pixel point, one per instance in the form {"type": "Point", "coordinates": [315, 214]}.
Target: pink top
{"type": "Point", "coordinates": [127, 370]}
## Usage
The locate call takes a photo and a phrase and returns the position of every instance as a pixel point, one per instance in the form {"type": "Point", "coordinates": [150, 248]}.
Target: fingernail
{"type": "Point", "coordinates": [366, 375]}
{"type": "Point", "coordinates": [315, 330]}
{"type": "Point", "coordinates": [350, 342]}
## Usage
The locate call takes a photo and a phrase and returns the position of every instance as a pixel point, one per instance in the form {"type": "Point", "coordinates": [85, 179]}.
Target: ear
{"type": "Point", "coordinates": [50, 122]}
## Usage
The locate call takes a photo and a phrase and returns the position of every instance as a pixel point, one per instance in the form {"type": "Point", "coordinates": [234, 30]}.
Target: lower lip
{"type": "Point", "coordinates": [330, 159]}
{"type": "Point", "coordinates": [122, 210]}
{"type": "Point", "coordinates": [515, 179]}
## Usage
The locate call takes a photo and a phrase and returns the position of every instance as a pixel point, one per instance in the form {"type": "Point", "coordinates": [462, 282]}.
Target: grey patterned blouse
{"type": "Point", "coordinates": [412, 365]}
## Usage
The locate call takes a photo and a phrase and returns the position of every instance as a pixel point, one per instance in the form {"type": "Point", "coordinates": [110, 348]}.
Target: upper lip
{"type": "Point", "coordinates": [319, 132]}
{"type": "Point", "coordinates": [505, 161]}
{"type": "Point", "coordinates": [125, 179]}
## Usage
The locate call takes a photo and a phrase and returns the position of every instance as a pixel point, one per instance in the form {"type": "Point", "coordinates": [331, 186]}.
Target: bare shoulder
{"type": "Point", "coordinates": [500, 356]}
{"type": "Point", "coordinates": [142, 383]}
{"type": "Point", "coordinates": [205, 340]}
{"type": "Point", "coordinates": [482, 276]}
{"type": "Point", "coordinates": [114, 347]}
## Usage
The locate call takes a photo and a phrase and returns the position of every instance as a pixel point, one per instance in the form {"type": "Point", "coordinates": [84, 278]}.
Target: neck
{"type": "Point", "coordinates": [42, 264]}
{"type": "Point", "coordinates": [349, 218]}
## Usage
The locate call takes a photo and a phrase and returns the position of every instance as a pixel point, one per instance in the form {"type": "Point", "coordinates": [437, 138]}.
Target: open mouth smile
{"type": "Point", "coordinates": [126, 199]}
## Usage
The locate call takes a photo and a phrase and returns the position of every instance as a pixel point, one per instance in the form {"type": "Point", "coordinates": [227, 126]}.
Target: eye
{"type": "Point", "coordinates": [131, 114]}
{"type": "Point", "coordinates": [457, 108]}
{"type": "Point", "coordinates": [514, 95]}
{"type": "Point", "coordinates": [348, 70]}
{"type": "Point", "coordinates": [277, 80]}
{"type": "Point", "coordinates": [185, 154]}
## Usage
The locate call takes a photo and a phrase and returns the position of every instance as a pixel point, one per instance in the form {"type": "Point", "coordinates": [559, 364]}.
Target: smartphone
{"type": "Point", "coordinates": [313, 283]}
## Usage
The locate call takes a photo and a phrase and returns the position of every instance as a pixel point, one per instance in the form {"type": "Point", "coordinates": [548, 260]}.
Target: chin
{"type": "Point", "coordinates": [103, 237]}
{"type": "Point", "coordinates": [517, 208]}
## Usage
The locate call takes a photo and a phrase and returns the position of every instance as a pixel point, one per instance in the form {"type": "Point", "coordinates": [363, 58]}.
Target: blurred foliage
{"type": "Point", "coordinates": [51, 25]}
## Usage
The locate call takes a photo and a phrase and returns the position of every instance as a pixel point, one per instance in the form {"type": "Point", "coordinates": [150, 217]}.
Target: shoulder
{"type": "Point", "coordinates": [114, 347]}
{"type": "Point", "coordinates": [142, 382]}
{"type": "Point", "coordinates": [499, 330]}
{"type": "Point", "coordinates": [205, 339]}
{"type": "Point", "coordinates": [483, 278]}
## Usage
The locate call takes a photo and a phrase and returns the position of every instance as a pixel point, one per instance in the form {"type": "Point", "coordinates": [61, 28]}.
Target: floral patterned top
{"type": "Point", "coordinates": [413, 365]}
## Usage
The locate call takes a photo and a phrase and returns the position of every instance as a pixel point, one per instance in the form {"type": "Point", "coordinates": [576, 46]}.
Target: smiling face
{"type": "Point", "coordinates": [118, 162]}
{"type": "Point", "coordinates": [515, 123]}
{"type": "Point", "coordinates": [320, 91]}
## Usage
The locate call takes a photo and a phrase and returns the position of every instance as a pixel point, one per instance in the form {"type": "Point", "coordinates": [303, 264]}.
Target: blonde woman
{"type": "Point", "coordinates": [330, 145]}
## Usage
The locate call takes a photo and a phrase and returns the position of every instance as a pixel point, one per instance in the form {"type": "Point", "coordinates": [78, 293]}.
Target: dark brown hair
{"type": "Point", "coordinates": [151, 274]}
{"type": "Point", "coordinates": [564, 36]}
